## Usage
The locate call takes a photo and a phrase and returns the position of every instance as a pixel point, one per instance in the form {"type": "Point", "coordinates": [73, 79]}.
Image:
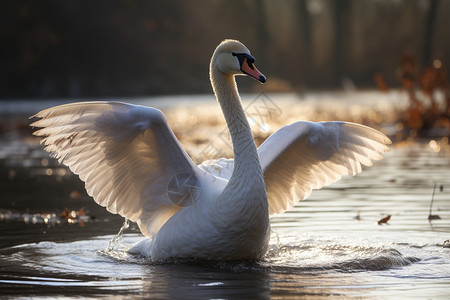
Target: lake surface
{"type": "Point", "coordinates": [329, 245]}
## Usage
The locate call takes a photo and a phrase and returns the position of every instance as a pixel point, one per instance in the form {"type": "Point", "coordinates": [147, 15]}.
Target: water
{"type": "Point", "coordinates": [327, 246]}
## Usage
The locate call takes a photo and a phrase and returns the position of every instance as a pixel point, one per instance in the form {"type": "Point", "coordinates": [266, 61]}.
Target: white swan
{"type": "Point", "coordinates": [133, 164]}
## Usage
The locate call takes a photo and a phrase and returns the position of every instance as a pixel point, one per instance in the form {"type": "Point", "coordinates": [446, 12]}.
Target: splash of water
{"type": "Point", "coordinates": [323, 255]}
{"type": "Point", "coordinates": [116, 248]}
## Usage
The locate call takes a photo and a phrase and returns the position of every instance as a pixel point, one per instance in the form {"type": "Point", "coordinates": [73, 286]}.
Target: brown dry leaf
{"type": "Point", "coordinates": [384, 220]}
{"type": "Point", "coordinates": [433, 217]}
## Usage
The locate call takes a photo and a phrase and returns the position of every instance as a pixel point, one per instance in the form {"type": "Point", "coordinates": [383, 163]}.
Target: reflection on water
{"type": "Point", "coordinates": [314, 264]}
{"type": "Point", "coordinates": [328, 245]}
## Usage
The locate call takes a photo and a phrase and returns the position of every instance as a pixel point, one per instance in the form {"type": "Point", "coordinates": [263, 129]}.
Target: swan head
{"type": "Point", "coordinates": [231, 57]}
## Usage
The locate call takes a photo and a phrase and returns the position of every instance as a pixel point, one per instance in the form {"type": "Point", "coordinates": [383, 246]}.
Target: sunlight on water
{"type": "Point", "coordinates": [315, 264]}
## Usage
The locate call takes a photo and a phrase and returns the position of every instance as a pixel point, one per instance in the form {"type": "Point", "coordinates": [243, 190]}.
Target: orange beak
{"type": "Point", "coordinates": [249, 68]}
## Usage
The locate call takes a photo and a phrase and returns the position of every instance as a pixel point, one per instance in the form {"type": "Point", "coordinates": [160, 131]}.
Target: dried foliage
{"type": "Point", "coordinates": [428, 92]}
{"type": "Point", "coordinates": [384, 220]}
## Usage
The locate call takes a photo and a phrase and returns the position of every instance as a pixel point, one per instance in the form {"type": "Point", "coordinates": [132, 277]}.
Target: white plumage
{"type": "Point", "coordinates": [133, 165]}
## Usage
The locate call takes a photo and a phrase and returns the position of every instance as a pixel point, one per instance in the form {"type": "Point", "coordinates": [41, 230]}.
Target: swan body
{"type": "Point", "coordinates": [132, 163]}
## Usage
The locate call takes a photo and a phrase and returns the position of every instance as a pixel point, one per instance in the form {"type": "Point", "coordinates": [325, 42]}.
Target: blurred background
{"type": "Point", "coordinates": [116, 48]}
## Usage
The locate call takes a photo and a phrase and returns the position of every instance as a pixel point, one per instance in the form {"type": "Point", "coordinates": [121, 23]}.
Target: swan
{"type": "Point", "coordinates": [133, 164]}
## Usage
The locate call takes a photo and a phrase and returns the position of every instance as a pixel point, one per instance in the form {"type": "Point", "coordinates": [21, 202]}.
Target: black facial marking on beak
{"type": "Point", "coordinates": [242, 56]}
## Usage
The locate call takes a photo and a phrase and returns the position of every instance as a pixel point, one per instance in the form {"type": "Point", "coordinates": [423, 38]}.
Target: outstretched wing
{"type": "Point", "coordinates": [127, 155]}
{"type": "Point", "coordinates": [305, 156]}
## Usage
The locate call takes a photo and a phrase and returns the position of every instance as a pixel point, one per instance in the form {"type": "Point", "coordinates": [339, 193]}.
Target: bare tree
{"type": "Point", "coordinates": [429, 30]}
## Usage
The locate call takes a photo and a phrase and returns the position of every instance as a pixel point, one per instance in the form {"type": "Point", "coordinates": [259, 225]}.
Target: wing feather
{"type": "Point", "coordinates": [305, 156]}
{"type": "Point", "coordinates": [125, 154]}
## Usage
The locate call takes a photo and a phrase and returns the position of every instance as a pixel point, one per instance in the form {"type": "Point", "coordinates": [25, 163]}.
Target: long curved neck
{"type": "Point", "coordinates": [246, 160]}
